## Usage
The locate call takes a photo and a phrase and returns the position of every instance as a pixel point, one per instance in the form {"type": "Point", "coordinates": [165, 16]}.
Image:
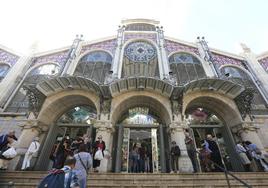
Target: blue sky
{"type": "Point", "coordinates": [54, 23]}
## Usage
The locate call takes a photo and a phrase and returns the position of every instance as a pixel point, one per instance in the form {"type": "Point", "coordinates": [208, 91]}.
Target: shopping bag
{"type": "Point", "coordinates": [10, 153]}
{"type": "Point", "coordinates": [98, 155]}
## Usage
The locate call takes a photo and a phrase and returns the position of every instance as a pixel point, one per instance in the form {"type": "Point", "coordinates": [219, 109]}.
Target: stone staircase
{"type": "Point", "coordinates": [116, 180]}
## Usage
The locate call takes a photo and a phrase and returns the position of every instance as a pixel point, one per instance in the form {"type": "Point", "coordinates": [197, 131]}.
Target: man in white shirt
{"type": "Point", "coordinates": [32, 150]}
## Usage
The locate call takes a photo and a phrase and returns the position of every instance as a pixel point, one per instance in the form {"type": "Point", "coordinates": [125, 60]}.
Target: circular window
{"type": "Point", "coordinates": [140, 52]}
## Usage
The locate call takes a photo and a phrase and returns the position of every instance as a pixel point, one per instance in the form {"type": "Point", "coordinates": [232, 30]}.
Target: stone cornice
{"type": "Point", "coordinates": [244, 127]}
{"type": "Point", "coordinates": [34, 124]}
{"type": "Point", "coordinates": [104, 126]}
{"type": "Point", "coordinates": [10, 51]}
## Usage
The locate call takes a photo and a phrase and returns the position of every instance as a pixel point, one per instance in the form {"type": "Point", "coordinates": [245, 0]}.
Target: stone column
{"type": "Point", "coordinates": [30, 129]}
{"type": "Point", "coordinates": [106, 130]}
{"type": "Point", "coordinates": [248, 131]}
{"type": "Point", "coordinates": [177, 135]}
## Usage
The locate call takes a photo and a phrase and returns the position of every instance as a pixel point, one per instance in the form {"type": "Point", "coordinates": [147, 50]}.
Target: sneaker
{"type": "Point", "coordinates": [171, 172]}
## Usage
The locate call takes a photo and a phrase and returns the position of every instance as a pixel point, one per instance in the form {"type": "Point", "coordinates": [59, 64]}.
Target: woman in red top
{"type": "Point", "coordinates": [98, 145]}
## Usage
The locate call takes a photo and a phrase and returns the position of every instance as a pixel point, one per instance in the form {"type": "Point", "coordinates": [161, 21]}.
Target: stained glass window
{"type": "Point", "coordinates": [3, 70]}
{"type": "Point", "coordinates": [95, 66]}
{"type": "Point", "coordinates": [185, 68]}
{"type": "Point", "coordinates": [79, 114]}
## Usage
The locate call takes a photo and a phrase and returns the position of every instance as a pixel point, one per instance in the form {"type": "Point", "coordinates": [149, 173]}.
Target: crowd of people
{"type": "Point", "coordinates": [77, 156]}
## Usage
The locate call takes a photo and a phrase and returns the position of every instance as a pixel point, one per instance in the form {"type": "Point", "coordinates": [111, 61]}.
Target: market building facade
{"type": "Point", "coordinates": [136, 88]}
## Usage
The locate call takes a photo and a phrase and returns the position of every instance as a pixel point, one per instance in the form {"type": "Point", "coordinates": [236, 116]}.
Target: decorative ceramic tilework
{"type": "Point", "coordinates": [174, 46]}
{"type": "Point", "coordinates": [264, 63]}
{"type": "Point", "coordinates": [6, 57]}
{"type": "Point", "coordinates": [222, 60]}
{"type": "Point", "coordinates": [109, 45]}
{"type": "Point", "coordinates": [60, 57]}
{"type": "Point", "coordinates": [150, 36]}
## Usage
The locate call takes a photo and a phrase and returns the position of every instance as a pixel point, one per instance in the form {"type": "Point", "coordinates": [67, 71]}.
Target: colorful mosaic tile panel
{"type": "Point", "coordinates": [222, 60]}
{"type": "Point", "coordinates": [175, 46]}
{"type": "Point", "coordinates": [109, 45]}
{"type": "Point", "coordinates": [6, 57]}
{"type": "Point", "coordinates": [264, 63]}
{"type": "Point", "coordinates": [60, 57]}
{"type": "Point", "coordinates": [150, 36]}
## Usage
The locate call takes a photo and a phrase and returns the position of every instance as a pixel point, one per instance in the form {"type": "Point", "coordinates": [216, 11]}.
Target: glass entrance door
{"type": "Point", "coordinates": [140, 150]}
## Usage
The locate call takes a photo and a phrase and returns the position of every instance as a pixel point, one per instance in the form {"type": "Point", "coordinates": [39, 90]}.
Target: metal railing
{"type": "Point", "coordinates": [7, 184]}
{"type": "Point", "coordinates": [226, 173]}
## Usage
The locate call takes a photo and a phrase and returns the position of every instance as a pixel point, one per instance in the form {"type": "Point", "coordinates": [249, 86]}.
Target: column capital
{"type": "Point", "coordinates": [104, 126]}
{"type": "Point", "coordinates": [177, 127]}
{"type": "Point", "coordinates": [244, 127]}
{"type": "Point", "coordinates": [34, 124]}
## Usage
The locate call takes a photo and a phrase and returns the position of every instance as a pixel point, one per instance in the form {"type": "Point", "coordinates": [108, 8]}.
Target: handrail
{"type": "Point", "coordinates": [226, 172]}
{"type": "Point", "coordinates": [7, 184]}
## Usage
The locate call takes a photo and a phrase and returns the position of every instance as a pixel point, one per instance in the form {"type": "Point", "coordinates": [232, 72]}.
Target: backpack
{"type": "Point", "coordinates": [55, 179]}
{"type": "Point", "coordinates": [177, 151]}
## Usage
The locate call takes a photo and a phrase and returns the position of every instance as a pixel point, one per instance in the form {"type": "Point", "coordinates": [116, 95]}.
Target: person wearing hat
{"type": "Point", "coordinates": [98, 145]}
{"type": "Point", "coordinates": [31, 152]}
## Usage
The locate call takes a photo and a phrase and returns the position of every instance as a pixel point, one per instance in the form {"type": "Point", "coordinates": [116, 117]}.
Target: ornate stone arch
{"type": "Point", "coordinates": [121, 60]}
{"type": "Point", "coordinates": [157, 102]}
{"type": "Point", "coordinates": [222, 105]}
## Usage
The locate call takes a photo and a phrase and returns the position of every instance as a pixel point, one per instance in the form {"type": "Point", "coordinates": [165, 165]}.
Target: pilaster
{"type": "Point", "coordinates": [247, 131]}
{"type": "Point", "coordinates": [257, 70]}
{"type": "Point", "coordinates": [162, 58]}
{"type": "Point", "coordinates": [177, 135]}
{"type": "Point", "coordinates": [106, 130]}
{"type": "Point", "coordinates": [117, 60]}
{"type": "Point", "coordinates": [73, 56]}
{"type": "Point", "coordinates": [206, 58]}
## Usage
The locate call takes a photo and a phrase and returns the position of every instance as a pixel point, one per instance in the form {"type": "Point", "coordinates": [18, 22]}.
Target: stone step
{"type": "Point", "coordinates": [31, 179]}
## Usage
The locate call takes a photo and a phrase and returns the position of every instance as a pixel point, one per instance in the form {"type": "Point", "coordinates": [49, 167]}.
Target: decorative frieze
{"type": "Point", "coordinates": [171, 46]}
{"type": "Point", "coordinates": [244, 127]}
{"type": "Point", "coordinates": [108, 45]}
{"type": "Point", "coordinates": [8, 58]}
{"type": "Point", "coordinates": [150, 36]}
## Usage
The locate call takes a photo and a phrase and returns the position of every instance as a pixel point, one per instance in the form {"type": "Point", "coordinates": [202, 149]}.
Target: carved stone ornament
{"type": "Point", "coordinates": [34, 124]}
{"type": "Point", "coordinates": [36, 99]}
{"type": "Point", "coordinates": [104, 126]}
{"type": "Point", "coordinates": [177, 105]}
{"type": "Point", "coordinates": [243, 127]}
{"type": "Point", "coordinates": [244, 101]}
{"type": "Point", "coordinates": [106, 106]}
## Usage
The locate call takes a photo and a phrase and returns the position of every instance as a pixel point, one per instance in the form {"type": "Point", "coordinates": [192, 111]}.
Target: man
{"type": "Point", "coordinates": [62, 178]}
{"type": "Point", "coordinates": [215, 153]}
{"type": "Point", "coordinates": [189, 142]}
{"type": "Point", "coordinates": [32, 150]}
{"type": "Point", "coordinates": [175, 153]}
{"type": "Point", "coordinates": [4, 139]}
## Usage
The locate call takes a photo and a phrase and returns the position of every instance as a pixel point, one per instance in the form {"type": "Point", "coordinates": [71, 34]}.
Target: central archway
{"type": "Point", "coordinates": [140, 121]}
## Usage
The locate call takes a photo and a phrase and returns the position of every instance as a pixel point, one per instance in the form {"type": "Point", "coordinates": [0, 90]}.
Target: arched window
{"type": "Point", "coordinates": [239, 76]}
{"type": "Point", "coordinates": [186, 67]}
{"type": "Point", "coordinates": [140, 59]}
{"type": "Point", "coordinates": [80, 115]}
{"type": "Point", "coordinates": [95, 66]}
{"type": "Point", "coordinates": [20, 101]}
{"type": "Point", "coordinates": [3, 70]}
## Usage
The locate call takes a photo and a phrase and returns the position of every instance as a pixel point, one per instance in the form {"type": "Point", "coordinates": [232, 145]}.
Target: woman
{"type": "Point", "coordinates": [98, 145]}
{"type": "Point", "coordinates": [83, 164]}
